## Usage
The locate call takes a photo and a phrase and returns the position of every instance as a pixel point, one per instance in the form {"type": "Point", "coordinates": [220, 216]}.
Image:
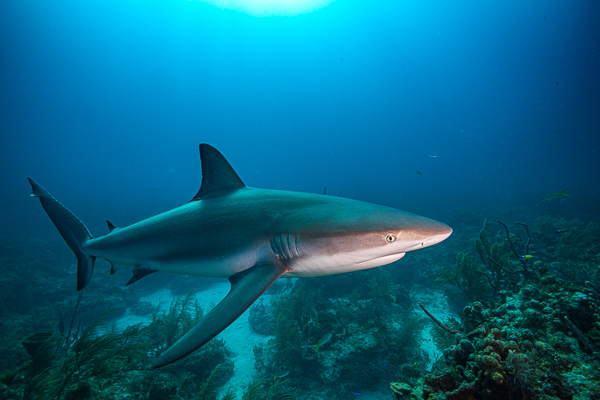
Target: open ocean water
{"type": "Point", "coordinates": [481, 115]}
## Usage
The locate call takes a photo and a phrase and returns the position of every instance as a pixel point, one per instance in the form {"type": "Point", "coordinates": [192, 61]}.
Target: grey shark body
{"type": "Point", "coordinates": [251, 236]}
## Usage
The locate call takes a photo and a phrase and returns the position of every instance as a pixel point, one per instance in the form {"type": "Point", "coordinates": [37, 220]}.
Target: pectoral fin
{"type": "Point", "coordinates": [246, 288]}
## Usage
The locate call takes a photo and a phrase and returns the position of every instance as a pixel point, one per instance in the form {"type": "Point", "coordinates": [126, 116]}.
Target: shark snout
{"type": "Point", "coordinates": [435, 233]}
{"type": "Point", "coordinates": [424, 232]}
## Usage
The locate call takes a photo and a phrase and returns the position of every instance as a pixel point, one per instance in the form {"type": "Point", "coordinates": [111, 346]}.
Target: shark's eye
{"type": "Point", "coordinates": [390, 238]}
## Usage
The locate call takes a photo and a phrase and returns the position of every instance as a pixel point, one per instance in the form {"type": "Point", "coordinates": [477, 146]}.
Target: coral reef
{"type": "Point", "coordinates": [536, 337]}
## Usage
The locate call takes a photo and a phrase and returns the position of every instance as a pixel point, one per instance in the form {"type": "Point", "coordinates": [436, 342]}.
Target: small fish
{"type": "Point", "coordinates": [419, 173]}
{"type": "Point", "coordinates": [562, 230]}
{"type": "Point", "coordinates": [357, 393]}
{"type": "Point", "coordinates": [528, 257]}
{"type": "Point", "coordinates": [384, 365]}
{"type": "Point", "coordinates": [280, 375]}
{"type": "Point", "coordinates": [324, 339]}
{"type": "Point", "coordinates": [552, 195]}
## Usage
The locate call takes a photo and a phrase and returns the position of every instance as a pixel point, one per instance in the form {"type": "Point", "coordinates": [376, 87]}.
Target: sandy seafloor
{"type": "Point", "coordinates": [241, 339]}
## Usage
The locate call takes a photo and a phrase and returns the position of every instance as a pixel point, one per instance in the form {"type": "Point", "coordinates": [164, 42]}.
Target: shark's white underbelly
{"type": "Point", "coordinates": [327, 265]}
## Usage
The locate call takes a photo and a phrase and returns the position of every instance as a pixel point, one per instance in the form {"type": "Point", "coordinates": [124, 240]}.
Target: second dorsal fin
{"type": "Point", "coordinates": [218, 177]}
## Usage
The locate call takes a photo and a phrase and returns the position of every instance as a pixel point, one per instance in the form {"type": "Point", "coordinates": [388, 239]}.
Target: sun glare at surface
{"type": "Point", "coordinates": [268, 8]}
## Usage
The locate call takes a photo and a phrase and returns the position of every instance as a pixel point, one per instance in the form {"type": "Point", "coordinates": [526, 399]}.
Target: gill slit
{"type": "Point", "coordinates": [287, 253]}
{"type": "Point", "coordinates": [296, 245]}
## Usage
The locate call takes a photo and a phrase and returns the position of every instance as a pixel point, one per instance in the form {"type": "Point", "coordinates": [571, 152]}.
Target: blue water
{"type": "Point", "coordinates": [445, 109]}
{"type": "Point", "coordinates": [104, 103]}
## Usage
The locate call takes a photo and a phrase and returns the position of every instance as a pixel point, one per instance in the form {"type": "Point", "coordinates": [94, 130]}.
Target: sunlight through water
{"type": "Point", "coordinates": [268, 8]}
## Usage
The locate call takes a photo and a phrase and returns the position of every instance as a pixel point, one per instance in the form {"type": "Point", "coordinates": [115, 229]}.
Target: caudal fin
{"type": "Point", "coordinates": [71, 229]}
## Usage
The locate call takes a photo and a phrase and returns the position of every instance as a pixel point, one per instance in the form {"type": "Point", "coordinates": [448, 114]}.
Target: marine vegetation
{"type": "Point", "coordinates": [98, 362]}
{"type": "Point", "coordinates": [266, 389]}
{"type": "Point", "coordinates": [468, 276]}
{"type": "Point", "coordinates": [502, 264]}
{"type": "Point", "coordinates": [364, 335]}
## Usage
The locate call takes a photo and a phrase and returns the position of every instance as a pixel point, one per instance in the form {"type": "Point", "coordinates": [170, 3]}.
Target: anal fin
{"type": "Point", "coordinates": [246, 288]}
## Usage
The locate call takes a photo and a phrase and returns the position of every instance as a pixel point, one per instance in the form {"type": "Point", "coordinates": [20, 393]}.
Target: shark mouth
{"type": "Point", "coordinates": [379, 261]}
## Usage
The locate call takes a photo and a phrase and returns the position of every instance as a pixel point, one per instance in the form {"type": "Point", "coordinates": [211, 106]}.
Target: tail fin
{"type": "Point", "coordinates": [71, 229]}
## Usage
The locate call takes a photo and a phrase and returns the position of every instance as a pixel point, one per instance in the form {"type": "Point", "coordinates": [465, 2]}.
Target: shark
{"type": "Point", "coordinates": [248, 235]}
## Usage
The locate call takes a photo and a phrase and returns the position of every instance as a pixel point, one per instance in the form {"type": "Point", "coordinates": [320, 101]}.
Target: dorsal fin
{"type": "Point", "coordinates": [111, 227]}
{"type": "Point", "coordinates": [218, 177]}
